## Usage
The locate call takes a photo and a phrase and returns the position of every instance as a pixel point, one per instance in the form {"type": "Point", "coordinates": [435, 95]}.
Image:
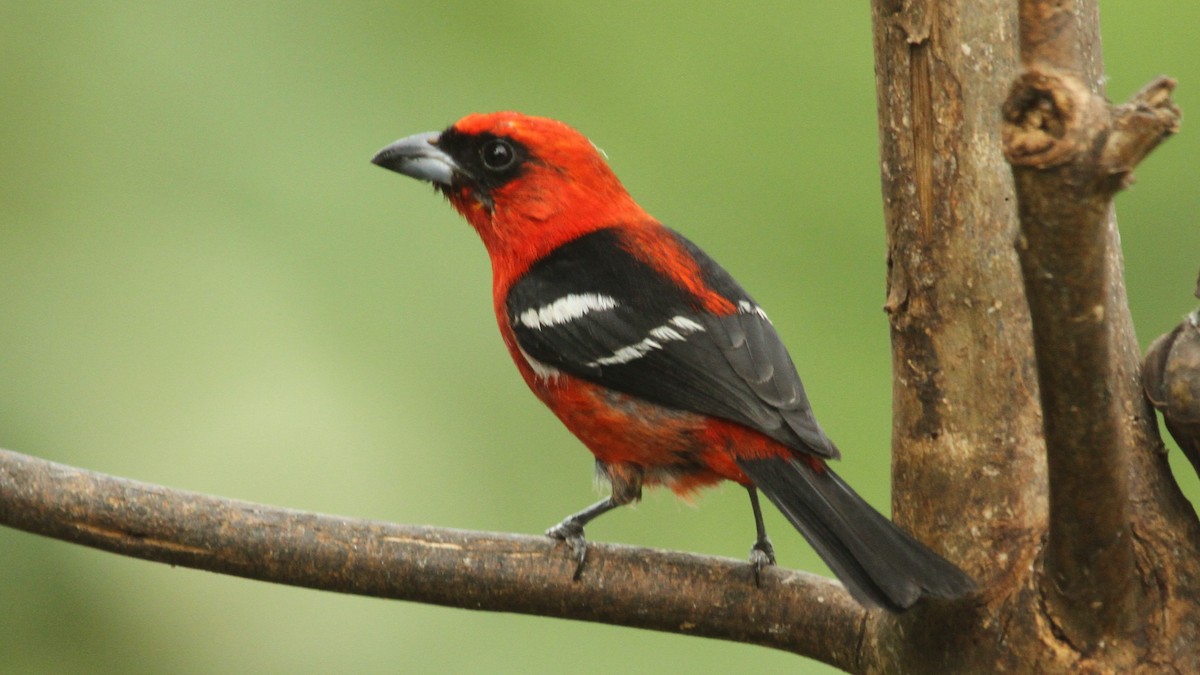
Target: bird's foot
{"type": "Point", "coordinates": [762, 554]}
{"type": "Point", "coordinates": [570, 531]}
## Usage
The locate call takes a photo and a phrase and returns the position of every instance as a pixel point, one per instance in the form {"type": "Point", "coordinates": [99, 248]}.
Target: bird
{"type": "Point", "coordinates": [650, 353]}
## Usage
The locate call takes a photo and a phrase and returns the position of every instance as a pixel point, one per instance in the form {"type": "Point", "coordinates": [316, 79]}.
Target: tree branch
{"type": "Point", "coordinates": [1171, 378]}
{"type": "Point", "coordinates": [623, 585]}
{"type": "Point", "coordinates": [1070, 154]}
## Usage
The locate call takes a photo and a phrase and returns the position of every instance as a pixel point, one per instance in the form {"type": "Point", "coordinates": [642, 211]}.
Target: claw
{"type": "Point", "coordinates": [762, 554]}
{"type": "Point", "coordinates": [570, 532]}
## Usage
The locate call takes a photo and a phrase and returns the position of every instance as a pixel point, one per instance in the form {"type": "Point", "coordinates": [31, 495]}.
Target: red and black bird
{"type": "Point", "coordinates": [650, 352]}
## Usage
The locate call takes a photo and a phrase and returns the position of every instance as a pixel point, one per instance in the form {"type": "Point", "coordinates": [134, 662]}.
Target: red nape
{"type": "Point", "coordinates": [654, 245]}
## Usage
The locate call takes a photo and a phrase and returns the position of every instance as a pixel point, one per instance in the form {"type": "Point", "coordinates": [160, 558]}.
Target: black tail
{"type": "Point", "coordinates": [880, 564]}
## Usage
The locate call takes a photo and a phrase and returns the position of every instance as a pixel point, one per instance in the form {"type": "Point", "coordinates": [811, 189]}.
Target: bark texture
{"type": "Point", "coordinates": [967, 431]}
{"type": "Point", "coordinates": [1105, 593]}
{"type": "Point", "coordinates": [988, 337]}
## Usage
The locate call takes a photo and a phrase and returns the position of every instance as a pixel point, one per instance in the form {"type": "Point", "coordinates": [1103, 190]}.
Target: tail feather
{"type": "Point", "coordinates": [880, 564]}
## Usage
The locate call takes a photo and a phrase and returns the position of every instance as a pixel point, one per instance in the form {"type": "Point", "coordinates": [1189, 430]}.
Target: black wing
{"type": "Point", "coordinates": [595, 311]}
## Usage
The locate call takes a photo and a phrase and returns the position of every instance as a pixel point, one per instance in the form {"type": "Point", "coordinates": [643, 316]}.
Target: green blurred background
{"type": "Point", "coordinates": [205, 284]}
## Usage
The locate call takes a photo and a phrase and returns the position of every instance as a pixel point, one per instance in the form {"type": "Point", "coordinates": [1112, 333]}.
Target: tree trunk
{"type": "Point", "coordinates": [968, 465]}
{"type": "Point", "coordinates": [1006, 300]}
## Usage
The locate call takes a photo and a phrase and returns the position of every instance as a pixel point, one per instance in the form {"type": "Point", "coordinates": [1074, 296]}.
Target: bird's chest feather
{"type": "Point", "coordinates": [615, 426]}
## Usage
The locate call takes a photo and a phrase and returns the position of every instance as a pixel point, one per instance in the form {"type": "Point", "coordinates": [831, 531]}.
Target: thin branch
{"type": "Point", "coordinates": [1071, 152]}
{"type": "Point", "coordinates": [661, 590]}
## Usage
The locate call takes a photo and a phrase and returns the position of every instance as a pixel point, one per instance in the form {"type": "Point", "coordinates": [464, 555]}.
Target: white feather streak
{"type": "Point", "coordinates": [659, 335]}
{"type": "Point", "coordinates": [565, 309]}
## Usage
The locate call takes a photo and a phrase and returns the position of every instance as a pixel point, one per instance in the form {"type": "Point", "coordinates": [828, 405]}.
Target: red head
{"type": "Point", "coordinates": [526, 184]}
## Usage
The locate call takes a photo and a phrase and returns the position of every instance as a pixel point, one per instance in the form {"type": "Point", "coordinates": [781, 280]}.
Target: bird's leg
{"type": "Point", "coordinates": [626, 481]}
{"type": "Point", "coordinates": [762, 553]}
{"type": "Point", "coordinates": [570, 530]}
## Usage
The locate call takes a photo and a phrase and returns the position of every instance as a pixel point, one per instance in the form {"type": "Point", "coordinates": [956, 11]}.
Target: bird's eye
{"type": "Point", "coordinates": [498, 154]}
